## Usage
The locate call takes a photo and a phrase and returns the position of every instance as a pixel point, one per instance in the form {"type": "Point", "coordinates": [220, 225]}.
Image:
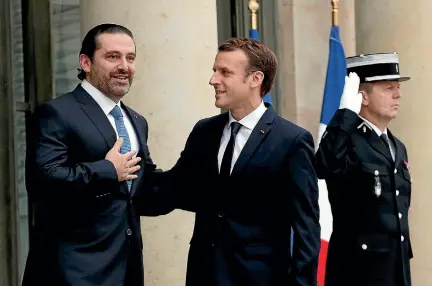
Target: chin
{"type": "Point", "coordinates": [120, 91]}
{"type": "Point", "coordinates": [220, 104]}
{"type": "Point", "coordinates": [393, 115]}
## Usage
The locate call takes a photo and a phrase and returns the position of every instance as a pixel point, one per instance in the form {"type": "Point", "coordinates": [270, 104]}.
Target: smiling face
{"type": "Point", "coordinates": [113, 65]}
{"type": "Point", "coordinates": [236, 88]}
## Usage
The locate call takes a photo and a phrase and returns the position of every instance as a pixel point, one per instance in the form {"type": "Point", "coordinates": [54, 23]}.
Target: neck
{"type": "Point", "coordinates": [242, 111]}
{"type": "Point", "coordinates": [113, 97]}
{"type": "Point", "coordinates": [379, 121]}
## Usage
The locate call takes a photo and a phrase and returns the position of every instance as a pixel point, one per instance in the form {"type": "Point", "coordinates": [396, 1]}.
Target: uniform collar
{"type": "Point", "coordinates": [373, 127]}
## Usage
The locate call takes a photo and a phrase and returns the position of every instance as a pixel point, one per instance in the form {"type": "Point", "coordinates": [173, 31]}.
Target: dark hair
{"type": "Point", "coordinates": [90, 43]}
{"type": "Point", "coordinates": [260, 58]}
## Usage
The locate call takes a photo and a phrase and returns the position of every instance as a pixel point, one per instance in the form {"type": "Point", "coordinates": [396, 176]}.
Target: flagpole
{"type": "Point", "coordinates": [254, 34]}
{"type": "Point", "coordinates": [335, 10]}
{"type": "Point", "coordinates": [253, 7]}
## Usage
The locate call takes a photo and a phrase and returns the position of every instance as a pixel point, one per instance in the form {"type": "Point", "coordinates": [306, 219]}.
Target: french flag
{"type": "Point", "coordinates": [335, 81]}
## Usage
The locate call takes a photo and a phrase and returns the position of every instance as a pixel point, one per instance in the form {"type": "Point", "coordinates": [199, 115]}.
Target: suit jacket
{"type": "Point", "coordinates": [370, 196]}
{"type": "Point", "coordinates": [86, 223]}
{"type": "Point", "coordinates": [242, 227]}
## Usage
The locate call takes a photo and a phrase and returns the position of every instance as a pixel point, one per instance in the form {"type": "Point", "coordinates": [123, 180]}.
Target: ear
{"type": "Point", "coordinates": [257, 79]}
{"type": "Point", "coordinates": [85, 63]}
{"type": "Point", "coordinates": [365, 100]}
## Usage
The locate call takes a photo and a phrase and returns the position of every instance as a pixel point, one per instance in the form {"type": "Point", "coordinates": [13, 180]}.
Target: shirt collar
{"type": "Point", "coordinates": [250, 120]}
{"type": "Point", "coordinates": [371, 125]}
{"type": "Point", "coordinates": [102, 100]}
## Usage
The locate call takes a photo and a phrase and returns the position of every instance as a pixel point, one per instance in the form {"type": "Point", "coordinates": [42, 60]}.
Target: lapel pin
{"type": "Point", "coordinates": [135, 115]}
{"type": "Point", "coordinates": [262, 131]}
{"type": "Point", "coordinates": [364, 129]}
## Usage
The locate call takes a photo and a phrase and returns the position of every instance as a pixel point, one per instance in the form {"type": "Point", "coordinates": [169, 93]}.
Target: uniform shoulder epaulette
{"type": "Point", "coordinates": [364, 124]}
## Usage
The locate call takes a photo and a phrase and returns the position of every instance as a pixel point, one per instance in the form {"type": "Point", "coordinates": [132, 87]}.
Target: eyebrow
{"type": "Point", "coordinates": [117, 52]}
{"type": "Point", "coordinates": [225, 69]}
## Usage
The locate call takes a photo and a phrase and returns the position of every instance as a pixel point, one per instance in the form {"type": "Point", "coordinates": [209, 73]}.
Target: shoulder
{"type": "Point", "coordinates": [398, 141]}
{"type": "Point", "coordinates": [291, 131]}
{"type": "Point", "coordinates": [135, 114]}
{"type": "Point", "coordinates": [210, 123]}
{"type": "Point", "coordinates": [56, 106]}
{"type": "Point", "coordinates": [401, 145]}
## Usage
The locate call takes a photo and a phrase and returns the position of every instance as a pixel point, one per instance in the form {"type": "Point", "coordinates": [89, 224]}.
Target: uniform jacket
{"type": "Point", "coordinates": [370, 197]}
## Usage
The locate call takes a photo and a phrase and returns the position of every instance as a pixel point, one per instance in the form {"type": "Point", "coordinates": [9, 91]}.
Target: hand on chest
{"type": "Point", "coordinates": [92, 140]}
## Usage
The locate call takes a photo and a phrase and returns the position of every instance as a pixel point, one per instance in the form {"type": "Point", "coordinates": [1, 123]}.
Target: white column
{"type": "Point", "coordinates": [176, 45]}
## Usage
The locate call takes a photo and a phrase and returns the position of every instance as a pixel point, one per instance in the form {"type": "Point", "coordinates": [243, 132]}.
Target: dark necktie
{"type": "Point", "coordinates": [385, 139]}
{"type": "Point", "coordinates": [225, 169]}
{"type": "Point", "coordinates": [387, 142]}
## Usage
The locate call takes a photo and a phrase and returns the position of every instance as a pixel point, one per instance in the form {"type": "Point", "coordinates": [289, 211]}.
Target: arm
{"type": "Point", "coordinates": [48, 172]}
{"type": "Point", "coordinates": [151, 200]}
{"type": "Point", "coordinates": [185, 186]}
{"type": "Point", "coordinates": [183, 183]}
{"type": "Point", "coordinates": [161, 190]}
{"type": "Point", "coordinates": [334, 154]}
{"type": "Point", "coordinates": [410, 250]}
{"type": "Point", "coordinates": [305, 211]}
{"type": "Point", "coordinates": [148, 201]}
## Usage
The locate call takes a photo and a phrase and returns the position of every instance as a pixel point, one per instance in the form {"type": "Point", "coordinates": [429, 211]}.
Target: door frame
{"type": "Point", "coordinates": [8, 203]}
{"type": "Point", "coordinates": [37, 53]}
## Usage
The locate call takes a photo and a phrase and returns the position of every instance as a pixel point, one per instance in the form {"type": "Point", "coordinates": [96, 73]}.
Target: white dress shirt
{"type": "Point", "coordinates": [248, 123]}
{"type": "Point", "coordinates": [107, 105]}
{"type": "Point", "coordinates": [379, 133]}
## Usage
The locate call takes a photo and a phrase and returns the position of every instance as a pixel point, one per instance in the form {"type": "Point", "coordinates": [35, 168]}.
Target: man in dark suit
{"type": "Point", "coordinates": [81, 181]}
{"type": "Point", "coordinates": [253, 173]}
{"type": "Point", "coordinates": [367, 174]}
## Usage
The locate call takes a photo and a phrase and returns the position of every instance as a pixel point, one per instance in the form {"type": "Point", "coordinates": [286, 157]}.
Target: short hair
{"type": "Point", "coordinates": [260, 58]}
{"type": "Point", "coordinates": [366, 86]}
{"type": "Point", "coordinates": [90, 43]}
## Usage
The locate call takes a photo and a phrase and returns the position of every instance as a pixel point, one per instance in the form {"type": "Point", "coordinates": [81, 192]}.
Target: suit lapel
{"type": "Point", "coordinates": [100, 120]}
{"type": "Point", "coordinates": [139, 127]}
{"type": "Point", "coordinates": [96, 115]}
{"type": "Point", "coordinates": [259, 133]}
{"type": "Point", "coordinates": [215, 140]}
{"type": "Point", "coordinates": [378, 144]}
{"type": "Point", "coordinates": [140, 130]}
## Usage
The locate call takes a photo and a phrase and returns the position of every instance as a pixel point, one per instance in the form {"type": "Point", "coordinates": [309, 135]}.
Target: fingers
{"type": "Point", "coordinates": [127, 177]}
{"type": "Point", "coordinates": [131, 177]}
{"type": "Point", "coordinates": [118, 144]}
{"type": "Point", "coordinates": [133, 162]}
{"type": "Point", "coordinates": [129, 173]}
{"type": "Point", "coordinates": [353, 75]}
{"type": "Point", "coordinates": [134, 169]}
{"type": "Point", "coordinates": [130, 154]}
{"type": "Point", "coordinates": [354, 78]}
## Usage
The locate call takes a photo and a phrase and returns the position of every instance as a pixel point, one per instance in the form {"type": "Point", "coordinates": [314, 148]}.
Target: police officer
{"type": "Point", "coordinates": [368, 181]}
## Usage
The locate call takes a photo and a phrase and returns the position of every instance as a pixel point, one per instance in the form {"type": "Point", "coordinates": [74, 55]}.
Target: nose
{"type": "Point", "coordinates": [397, 94]}
{"type": "Point", "coordinates": [123, 64]}
{"type": "Point", "coordinates": [214, 79]}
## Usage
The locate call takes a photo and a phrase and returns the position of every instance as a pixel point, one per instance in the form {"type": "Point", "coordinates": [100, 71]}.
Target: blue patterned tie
{"type": "Point", "coordinates": [122, 132]}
